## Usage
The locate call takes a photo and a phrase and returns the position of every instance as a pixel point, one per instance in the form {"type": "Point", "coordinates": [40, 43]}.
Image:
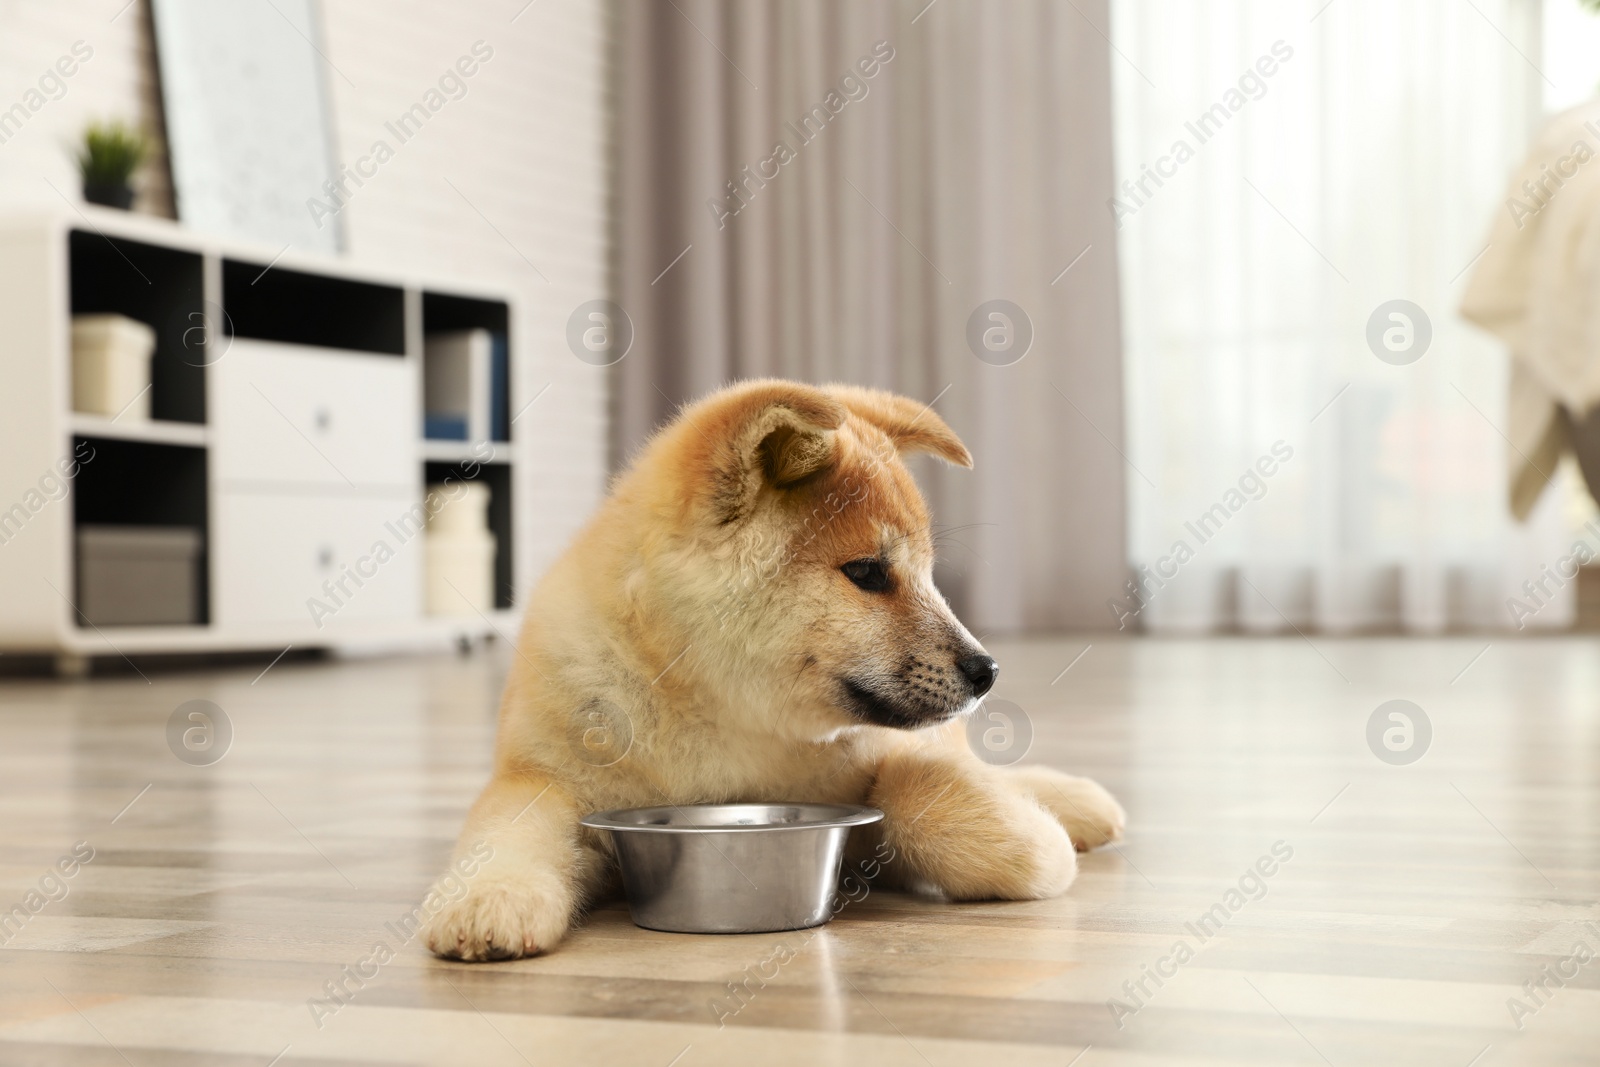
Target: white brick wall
{"type": "Point", "coordinates": [526, 147]}
{"type": "Point", "coordinates": [117, 82]}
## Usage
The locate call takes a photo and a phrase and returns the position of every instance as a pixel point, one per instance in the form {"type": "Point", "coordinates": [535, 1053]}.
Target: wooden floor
{"type": "Point", "coordinates": [1416, 903]}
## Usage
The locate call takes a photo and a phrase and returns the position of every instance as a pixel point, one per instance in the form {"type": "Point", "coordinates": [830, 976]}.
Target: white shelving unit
{"type": "Point", "coordinates": [161, 432]}
{"type": "Point", "coordinates": [286, 426]}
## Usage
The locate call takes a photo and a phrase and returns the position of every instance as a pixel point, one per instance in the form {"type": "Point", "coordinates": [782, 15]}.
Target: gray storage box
{"type": "Point", "coordinates": [139, 575]}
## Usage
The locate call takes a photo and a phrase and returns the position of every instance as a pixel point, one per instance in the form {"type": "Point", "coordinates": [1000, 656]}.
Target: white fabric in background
{"type": "Point", "coordinates": [1365, 168]}
{"type": "Point", "coordinates": [1534, 289]}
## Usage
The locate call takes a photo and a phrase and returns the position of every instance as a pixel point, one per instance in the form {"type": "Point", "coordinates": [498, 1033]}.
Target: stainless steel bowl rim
{"type": "Point", "coordinates": [827, 816]}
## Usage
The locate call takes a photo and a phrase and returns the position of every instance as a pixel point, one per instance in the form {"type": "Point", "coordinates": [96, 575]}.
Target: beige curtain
{"type": "Point", "coordinates": [955, 153]}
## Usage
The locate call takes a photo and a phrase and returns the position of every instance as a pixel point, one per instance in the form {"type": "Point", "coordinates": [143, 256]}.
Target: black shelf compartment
{"type": "Point", "coordinates": [444, 312]}
{"type": "Point", "coordinates": [497, 476]}
{"type": "Point", "coordinates": [140, 483]}
{"type": "Point", "coordinates": [271, 303]}
{"type": "Point", "coordinates": [161, 287]}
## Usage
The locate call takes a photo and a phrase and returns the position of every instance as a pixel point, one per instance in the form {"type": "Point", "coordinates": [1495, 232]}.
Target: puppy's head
{"type": "Point", "coordinates": [805, 554]}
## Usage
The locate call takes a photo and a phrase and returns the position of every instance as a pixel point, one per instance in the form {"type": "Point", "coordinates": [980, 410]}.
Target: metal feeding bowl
{"type": "Point", "coordinates": [731, 868]}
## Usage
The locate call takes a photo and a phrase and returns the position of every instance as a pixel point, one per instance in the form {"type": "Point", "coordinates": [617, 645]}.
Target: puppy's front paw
{"type": "Point", "coordinates": [495, 921]}
{"type": "Point", "coordinates": [1092, 817]}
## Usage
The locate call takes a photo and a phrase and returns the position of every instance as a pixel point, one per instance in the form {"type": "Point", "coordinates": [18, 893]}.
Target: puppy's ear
{"type": "Point", "coordinates": [766, 434]}
{"type": "Point", "coordinates": [912, 426]}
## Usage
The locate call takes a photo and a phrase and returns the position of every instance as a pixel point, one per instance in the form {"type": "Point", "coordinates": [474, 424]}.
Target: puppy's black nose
{"type": "Point", "coordinates": [981, 671]}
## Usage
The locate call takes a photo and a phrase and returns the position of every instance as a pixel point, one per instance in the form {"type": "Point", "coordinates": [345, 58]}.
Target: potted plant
{"type": "Point", "coordinates": [111, 152]}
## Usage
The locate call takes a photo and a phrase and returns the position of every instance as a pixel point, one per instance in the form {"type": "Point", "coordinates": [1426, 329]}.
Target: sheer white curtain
{"type": "Point", "coordinates": [1351, 155]}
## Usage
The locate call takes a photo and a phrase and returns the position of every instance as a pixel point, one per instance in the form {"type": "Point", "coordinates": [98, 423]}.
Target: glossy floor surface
{"type": "Point", "coordinates": [1291, 891]}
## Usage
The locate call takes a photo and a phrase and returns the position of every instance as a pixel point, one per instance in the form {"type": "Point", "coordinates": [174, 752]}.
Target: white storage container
{"type": "Point", "coordinates": [111, 366]}
{"type": "Point", "coordinates": [460, 569]}
{"type": "Point", "coordinates": [460, 508]}
{"type": "Point", "coordinates": [460, 550]}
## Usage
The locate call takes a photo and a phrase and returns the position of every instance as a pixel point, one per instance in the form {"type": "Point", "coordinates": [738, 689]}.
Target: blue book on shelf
{"type": "Point", "coordinates": [499, 388]}
{"type": "Point", "coordinates": [444, 427]}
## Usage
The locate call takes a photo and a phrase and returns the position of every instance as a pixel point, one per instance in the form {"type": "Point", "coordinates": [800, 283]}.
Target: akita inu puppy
{"type": "Point", "coordinates": [751, 616]}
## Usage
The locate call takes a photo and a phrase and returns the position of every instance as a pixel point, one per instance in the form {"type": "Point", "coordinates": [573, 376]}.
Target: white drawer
{"type": "Point", "coordinates": [275, 551]}
{"type": "Point", "coordinates": [292, 414]}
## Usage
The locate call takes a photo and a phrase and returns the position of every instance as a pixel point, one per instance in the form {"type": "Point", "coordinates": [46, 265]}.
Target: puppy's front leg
{"type": "Point", "coordinates": [525, 895]}
{"type": "Point", "coordinates": [957, 825]}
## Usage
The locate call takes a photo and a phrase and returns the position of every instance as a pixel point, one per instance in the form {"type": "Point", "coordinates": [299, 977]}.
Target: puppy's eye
{"type": "Point", "coordinates": [868, 574]}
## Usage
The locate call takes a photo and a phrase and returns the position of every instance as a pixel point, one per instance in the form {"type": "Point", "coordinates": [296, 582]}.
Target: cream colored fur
{"type": "Point", "coordinates": [694, 643]}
